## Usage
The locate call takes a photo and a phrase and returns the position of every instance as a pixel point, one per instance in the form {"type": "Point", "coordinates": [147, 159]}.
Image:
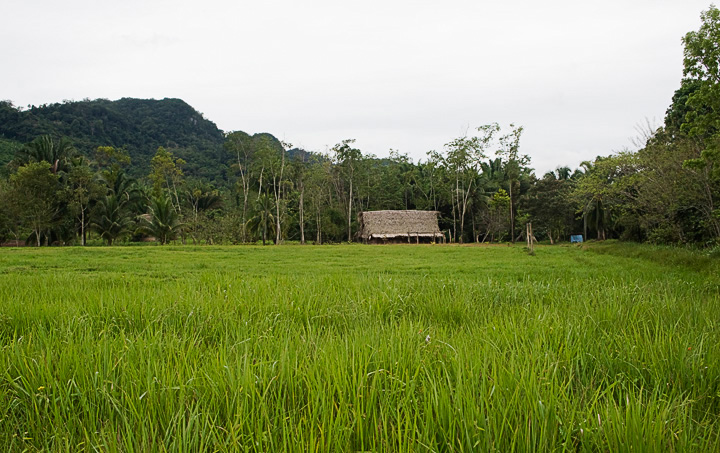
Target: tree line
{"type": "Point", "coordinates": [481, 184]}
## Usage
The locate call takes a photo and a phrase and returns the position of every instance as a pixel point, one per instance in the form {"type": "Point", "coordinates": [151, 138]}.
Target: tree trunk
{"type": "Point", "coordinates": [244, 214]}
{"type": "Point", "coordinates": [260, 182]}
{"type": "Point", "coordinates": [369, 192]}
{"type": "Point", "coordinates": [462, 228]}
{"type": "Point", "coordinates": [463, 209]}
{"type": "Point", "coordinates": [82, 227]}
{"type": "Point", "coordinates": [529, 237]}
{"type": "Point", "coordinates": [264, 232]}
{"type": "Point", "coordinates": [476, 235]}
{"type": "Point", "coordinates": [278, 233]}
{"type": "Point", "coordinates": [195, 224]}
{"type": "Point", "coordinates": [246, 188]}
{"type": "Point", "coordinates": [318, 224]}
{"type": "Point", "coordinates": [454, 238]}
{"type": "Point", "coordinates": [457, 201]}
{"type": "Point", "coordinates": [512, 215]}
{"type": "Point", "coordinates": [486, 235]}
{"type": "Point", "coordinates": [302, 215]}
{"type": "Point", "coordinates": [173, 191]}
{"type": "Point", "coordinates": [713, 218]}
{"type": "Point", "coordinates": [278, 197]}
{"type": "Point", "coordinates": [350, 212]}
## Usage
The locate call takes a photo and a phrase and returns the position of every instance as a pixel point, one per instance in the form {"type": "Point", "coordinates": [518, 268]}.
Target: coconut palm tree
{"type": "Point", "coordinates": [124, 187]}
{"type": "Point", "coordinates": [112, 220]}
{"type": "Point", "coordinates": [262, 217]}
{"type": "Point", "coordinates": [162, 221]}
{"type": "Point", "coordinates": [44, 148]}
{"type": "Point", "coordinates": [559, 174]}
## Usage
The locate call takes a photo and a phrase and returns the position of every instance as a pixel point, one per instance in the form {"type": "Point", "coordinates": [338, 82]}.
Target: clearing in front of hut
{"type": "Point", "coordinates": [372, 348]}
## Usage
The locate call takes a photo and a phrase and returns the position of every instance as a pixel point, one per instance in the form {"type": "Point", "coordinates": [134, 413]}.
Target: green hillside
{"type": "Point", "coordinates": [138, 125]}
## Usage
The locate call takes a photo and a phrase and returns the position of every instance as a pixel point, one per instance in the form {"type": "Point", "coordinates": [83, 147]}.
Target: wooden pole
{"type": "Point", "coordinates": [531, 238]}
{"type": "Point", "coordinates": [527, 235]}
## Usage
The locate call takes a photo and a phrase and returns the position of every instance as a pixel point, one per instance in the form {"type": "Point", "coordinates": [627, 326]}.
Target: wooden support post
{"type": "Point", "coordinates": [527, 235]}
{"type": "Point", "coordinates": [530, 238]}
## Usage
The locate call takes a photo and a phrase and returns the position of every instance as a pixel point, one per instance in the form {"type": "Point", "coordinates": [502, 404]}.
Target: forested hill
{"type": "Point", "coordinates": [138, 125]}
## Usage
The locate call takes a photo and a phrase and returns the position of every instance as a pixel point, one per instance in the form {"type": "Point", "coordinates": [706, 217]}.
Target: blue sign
{"type": "Point", "coordinates": [576, 238]}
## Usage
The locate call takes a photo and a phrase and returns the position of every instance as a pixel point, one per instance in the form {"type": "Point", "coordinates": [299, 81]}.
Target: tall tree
{"type": "Point", "coordinates": [550, 205]}
{"type": "Point", "coordinates": [166, 174]}
{"type": "Point", "coordinates": [262, 217]}
{"type": "Point", "coordinates": [702, 121]}
{"type": "Point", "coordinates": [463, 157]}
{"type": "Point", "coordinates": [82, 188]}
{"type": "Point", "coordinates": [495, 217]}
{"type": "Point", "coordinates": [514, 163]}
{"type": "Point", "coordinates": [110, 161]}
{"type": "Point", "coordinates": [201, 200]}
{"type": "Point", "coordinates": [604, 192]}
{"type": "Point", "coordinates": [299, 170]}
{"type": "Point", "coordinates": [347, 160]}
{"type": "Point", "coordinates": [668, 193]}
{"type": "Point", "coordinates": [242, 148]}
{"type": "Point", "coordinates": [271, 157]}
{"type": "Point", "coordinates": [113, 215]}
{"type": "Point", "coordinates": [426, 176]}
{"type": "Point", "coordinates": [35, 186]}
{"type": "Point", "coordinates": [702, 69]}
{"type": "Point", "coordinates": [8, 216]}
{"type": "Point", "coordinates": [319, 192]}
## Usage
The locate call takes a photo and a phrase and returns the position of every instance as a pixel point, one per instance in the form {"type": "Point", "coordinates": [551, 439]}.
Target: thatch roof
{"type": "Point", "coordinates": [393, 224]}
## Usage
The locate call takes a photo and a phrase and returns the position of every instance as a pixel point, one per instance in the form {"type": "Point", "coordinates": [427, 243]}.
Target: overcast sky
{"type": "Point", "coordinates": [580, 76]}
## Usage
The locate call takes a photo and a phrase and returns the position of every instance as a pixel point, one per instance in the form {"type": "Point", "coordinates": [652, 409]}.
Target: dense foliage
{"type": "Point", "coordinates": [234, 187]}
{"type": "Point", "coordinates": [139, 126]}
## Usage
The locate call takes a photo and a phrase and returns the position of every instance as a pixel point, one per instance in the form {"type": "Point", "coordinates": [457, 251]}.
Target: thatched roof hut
{"type": "Point", "coordinates": [399, 226]}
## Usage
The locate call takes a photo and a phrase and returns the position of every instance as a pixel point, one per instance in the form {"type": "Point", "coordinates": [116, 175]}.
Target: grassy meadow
{"type": "Point", "coordinates": [610, 347]}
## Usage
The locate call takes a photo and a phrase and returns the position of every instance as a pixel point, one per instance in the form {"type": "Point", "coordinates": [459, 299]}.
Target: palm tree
{"type": "Point", "coordinates": [494, 172]}
{"type": "Point", "coordinates": [112, 219]}
{"type": "Point", "coordinates": [56, 152]}
{"type": "Point", "coordinates": [201, 201]}
{"type": "Point", "coordinates": [592, 196]}
{"type": "Point", "coordinates": [263, 216]}
{"type": "Point", "coordinates": [162, 221]}
{"type": "Point", "coordinates": [123, 186]}
{"type": "Point", "coordinates": [560, 174]}
{"type": "Point", "coordinates": [595, 212]}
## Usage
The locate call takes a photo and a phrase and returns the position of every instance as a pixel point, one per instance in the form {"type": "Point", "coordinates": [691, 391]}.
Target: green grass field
{"type": "Point", "coordinates": [359, 348]}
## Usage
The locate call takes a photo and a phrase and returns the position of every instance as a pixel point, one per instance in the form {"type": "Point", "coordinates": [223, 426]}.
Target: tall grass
{"type": "Point", "coordinates": [355, 348]}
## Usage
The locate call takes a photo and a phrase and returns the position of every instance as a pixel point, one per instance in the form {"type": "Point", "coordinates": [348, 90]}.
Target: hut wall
{"type": "Point", "coordinates": [403, 240]}
{"type": "Point", "coordinates": [385, 227]}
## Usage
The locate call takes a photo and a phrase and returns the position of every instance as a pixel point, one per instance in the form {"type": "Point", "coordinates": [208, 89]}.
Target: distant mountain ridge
{"type": "Point", "coordinates": [138, 125]}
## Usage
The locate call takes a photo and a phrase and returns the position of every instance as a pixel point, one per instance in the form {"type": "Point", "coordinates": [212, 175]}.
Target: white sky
{"type": "Point", "coordinates": [408, 75]}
